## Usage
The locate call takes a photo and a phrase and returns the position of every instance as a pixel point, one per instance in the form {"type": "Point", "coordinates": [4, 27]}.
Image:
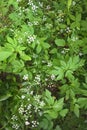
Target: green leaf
{"type": "Point", "coordinates": [58, 128]}
{"type": "Point", "coordinates": [10, 40]}
{"type": "Point", "coordinates": [69, 75]}
{"type": "Point", "coordinates": [5, 97]}
{"type": "Point", "coordinates": [53, 114]}
{"type": "Point", "coordinates": [60, 42]}
{"type": "Point", "coordinates": [60, 74]}
{"type": "Point", "coordinates": [38, 49]}
{"type": "Point", "coordinates": [58, 105]}
{"type": "Point", "coordinates": [63, 112]}
{"type": "Point", "coordinates": [25, 57]}
{"type": "Point", "coordinates": [4, 55]}
{"type": "Point", "coordinates": [76, 110]}
{"type": "Point", "coordinates": [69, 4]}
{"type": "Point", "coordinates": [45, 45]}
{"type": "Point", "coordinates": [44, 124]}
{"type": "Point", "coordinates": [82, 102]}
{"type": "Point", "coordinates": [49, 99]}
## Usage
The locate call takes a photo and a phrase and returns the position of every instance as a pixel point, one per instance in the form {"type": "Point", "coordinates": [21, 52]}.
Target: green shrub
{"type": "Point", "coordinates": [43, 50]}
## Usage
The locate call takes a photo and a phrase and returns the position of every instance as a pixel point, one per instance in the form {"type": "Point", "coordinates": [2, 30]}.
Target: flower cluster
{"type": "Point", "coordinates": [31, 38]}
{"type": "Point", "coordinates": [29, 108]}
{"type": "Point", "coordinates": [25, 77]}
{"type": "Point", "coordinates": [37, 79]}
{"type": "Point", "coordinates": [33, 6]}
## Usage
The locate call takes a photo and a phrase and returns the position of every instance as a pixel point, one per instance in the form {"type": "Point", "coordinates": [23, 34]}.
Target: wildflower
{"type": "Point", "coordinates": [14, 117]}
{"type": "Point", "coordinates": [63, 52]}
{"type": "Point", "coordinates": [49, 64]}
{"type": "Point", "coordinates": [21, 110]}
{"type": "Point", "coordinates": [27, 123]}
{"type": "Point", "coordinates": [29, 107]}
{"type": "Point", "coordinates": [25, 77]}
{"type": "Point", "coordinates": [31, 38]}
{"type": "Point", "coordinates": [73, 3]}
{"type": "Point", "coordinates": [80, 54]}
{"type": "Point", "coordinates": [23, 96]}
{"type": "Point", "coordinates": [52, 76]}
{"type": "Point", "coordinates": [42, 103]}
{"type": "Point", "coordinates": [15, 126]}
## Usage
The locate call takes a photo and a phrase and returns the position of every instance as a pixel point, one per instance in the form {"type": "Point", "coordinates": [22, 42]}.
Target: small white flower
{"type": "Point", "coordinates": [23, 96]}
{"type": "Point", "coordinates": [49, 64]}
{"type": "Point", "coordinates": [27, 123]}
{"type": "Point", "coordinates": [25, 77]}
{"type": "Point", "coordinates": [42, 103]}
{"type": "Point", "coordinates": [52, 76]}
{"type": "Point", "coordinates": [80, 54]}
{"type": "Point", "coordinates": [63, 52]}
{"type": "Point", "coordinates": [73, 3]}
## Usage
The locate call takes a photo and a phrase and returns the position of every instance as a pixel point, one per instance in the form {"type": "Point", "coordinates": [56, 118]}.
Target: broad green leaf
{"type": "Point", "coordinates": [60, 74]}
{"type": "Point", "coordinates": [53, 114]}
{"type": "Point", "coordinates": [69, 75]}
{"type": "Point", "coordinates": [60, 42]}
{"type": "Point", "coordinates": [38, 49]}
{"type": "Point", "coordinates": [49, 99]}
{"type": "Point", "coordinates": [4, 55]}
{"type": "Point", "coordinates": [82, 102]}
{"type": "Point", "coordinates": [25, 57]}
{"type": "Point", "coordinates": [58, 105]}
{"type": "Point", "coordinates": [63, 112]}
{"type": "Point", "coordinates": [44, 124]}
{"type": "Point", "coordinates": [69, 4]}
{"type": "Point", "coordinates": [45, 45]}
{"type": "Point", "coordinates": [10, 40]}
{"type": "Point", "coordinates": [5, 97]}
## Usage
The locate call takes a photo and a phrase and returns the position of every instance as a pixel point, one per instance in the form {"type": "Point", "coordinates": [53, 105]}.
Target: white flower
{"type": "Point", "coordinates": [25, 77]}
{"type": "Point", "coordinates": [21, 110]}
{"type": "Point", "coordinates": [42, 103]}
{"type": "Point", "coordinates": [73, 3]}
{"type": "Point", "coordinates": [80, 54]}
{"type": "Point", "coordinates": [52, 76]}
{"type": "Point", "coordinates": [14, 117]}
{"type": "Point", "coordinates": [27, 123]}
{"type": "Point", "coordinates": [63, 52]}
{"type": "Point", "coordinates": [15, 126]}
{"type": "Point", "coordinates": [23, 96]}
{"type": "Point", "coordinates": [31, 38]}
{"type": "Point", "coordinates": [49, 64]}
{"type": "Point", "coordinates": [29, 107]}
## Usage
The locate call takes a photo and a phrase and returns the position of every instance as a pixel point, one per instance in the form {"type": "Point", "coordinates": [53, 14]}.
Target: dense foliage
{"type": "Point", "coordinates": [43, 61]}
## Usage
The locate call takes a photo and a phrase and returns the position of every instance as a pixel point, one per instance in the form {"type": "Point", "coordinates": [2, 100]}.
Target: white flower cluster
{"type": "Point", "coordinates": [18, 0]}
{"type": "Point", "coordinates": [37, 79]}
{"type": "Point", "coordinates": [21, 110]}
{"type": "Point", "coordinates": [14, 117]}
{"type": "Point", "coordinates": [14, 122]}
{"type": "Point", "coordinates": [48, 7]}
{"type": "Point", "coordinates": [31, 38]}
{"type": "Point", "coordinates": [29, 108]}
{"type": "Point", "coordinates": [27, 123]}
{"type": "Point", "coordinates": [52, 76]}
{"type": "Point", "coordinates": [33, 7]}
{"type": "Point", "coordinates": [35, 123]}
{"type": "Point", "coordinates": [65, 50]}
{"type": "Point", "coordinates": [73, 3]}
{"type": "Point", "coordinates": [25, 77]}
{"type": "Point", "coordinates": [15, 126]}
{"type": "Point", "coordinates": [49, 64]}
{"type": "Point", "coordinates": [68, 30]}
{"type": "Point", "coordinates": [74, 38]}
{"type": "Point", "coordinates": [40, 4]}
